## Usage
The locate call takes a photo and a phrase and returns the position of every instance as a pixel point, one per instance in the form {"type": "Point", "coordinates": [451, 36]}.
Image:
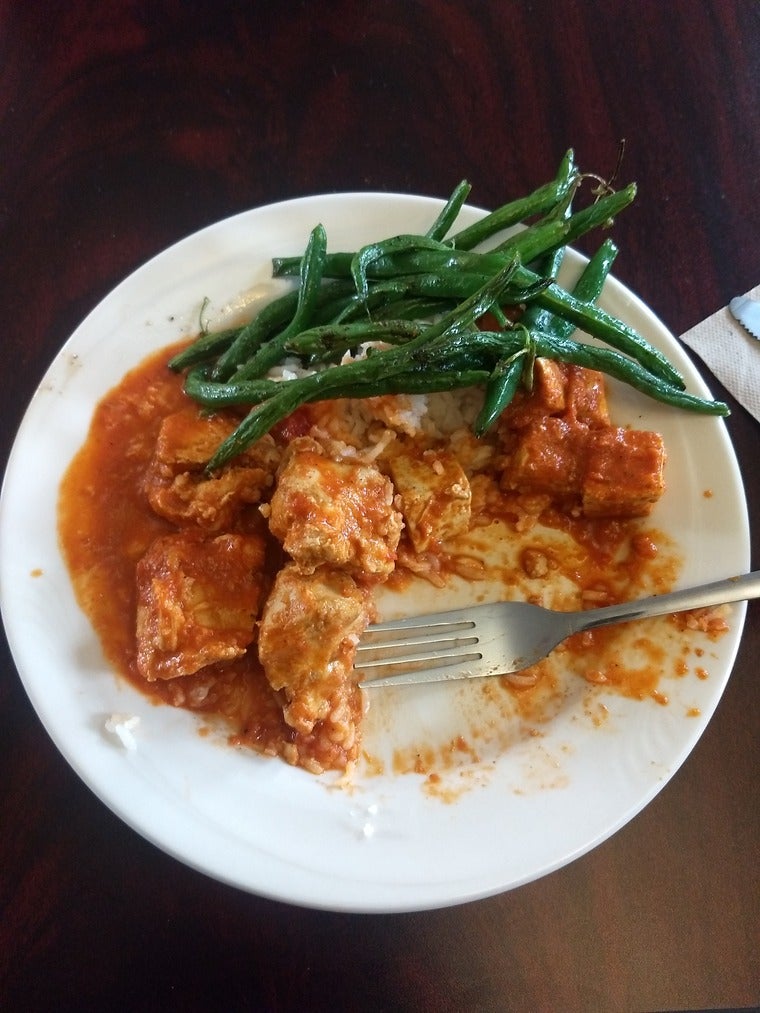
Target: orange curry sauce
{"type": "Point", "coordinates": [106, 525]}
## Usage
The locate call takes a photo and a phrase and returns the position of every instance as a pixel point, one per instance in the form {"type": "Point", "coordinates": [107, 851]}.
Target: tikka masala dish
{"type": "Point", "coordinates": [242, 595]}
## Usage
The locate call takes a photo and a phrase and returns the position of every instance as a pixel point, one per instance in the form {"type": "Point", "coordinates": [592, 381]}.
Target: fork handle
{"type": "Point", "coordinates": [719, 592]}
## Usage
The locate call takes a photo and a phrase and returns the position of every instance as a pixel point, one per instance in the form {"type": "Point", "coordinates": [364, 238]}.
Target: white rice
{"type": "Point", "coordinates": [437, 414]}
{"type": "Point", "coordinates": [122, 727]}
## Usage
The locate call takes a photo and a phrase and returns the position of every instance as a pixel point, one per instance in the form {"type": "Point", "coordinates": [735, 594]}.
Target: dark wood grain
{"type": "Point", "coordinates": [126, 126]}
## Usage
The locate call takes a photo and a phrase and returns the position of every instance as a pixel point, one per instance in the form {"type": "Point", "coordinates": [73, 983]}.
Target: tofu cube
{"type": "Point", "coordinates": [624, 473]}
{"type": "Point", "coordinates": [549, 457]}
{"type": "Point", "coordinates": [549, 386]}
{"type": "Point", "coordinates": [586, 397]}
{"type": "Point", "coordinates": [435, 497]}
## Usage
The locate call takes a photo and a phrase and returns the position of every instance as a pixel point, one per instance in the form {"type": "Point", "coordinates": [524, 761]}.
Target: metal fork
{"type": "Point", "coordinates": [504, 637]}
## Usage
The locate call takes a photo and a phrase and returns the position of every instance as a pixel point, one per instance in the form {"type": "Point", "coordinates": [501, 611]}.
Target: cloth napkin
{"type": "Point", "coordinates": [731, 354]}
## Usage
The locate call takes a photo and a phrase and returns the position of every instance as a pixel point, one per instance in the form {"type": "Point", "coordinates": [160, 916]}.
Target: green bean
{"type": "Point", "coordinates": [587, 289]}
{"type": "Point", "coordinates": [379, 302]}
{"type": "Point", "coordinates": [319, 344]}
{"type": "Point", "coordinates": [327, 309]}
{"type": "Point", "coordinates": [414, 308]}
{"type": "Point", "coordinates": [547, 266]}
{"type": "Point", "coordinates": [623, 368]}
{"type": "Point", "coordinates": [501, 388]}
{"type": "Point", "coordinates": [539, 202]}
{"type": "Point", "coordinates": [549, 263]}
{"type": "Point", "coordinates": [602, 325]}
{"type": "Point", "coordinates": [459, 285]}
{"type": "Point", "coordinates": [422, 381]}
{"type": "Point", "coordinates": [383, 253]}
{"type": "Point", "coordinates": [273, 317]}
{"type": "Point", "coordinates": [450, 211]}
{"type": "Point", "coordinates": [217, 394]}
{"type": "Point", "coordinates": [418, 379]}
{"type": "Point", "coordinates": [398, 297]}
{"type": "Point", "coordinates": [404, 255]}
{"type": "Point", "coordinates": [435, 285]}
{"type": "Point", "coordinates": [206, 346]}
{"type": "Point", "coordinates": [257, 423]}
{"type": "Point", "coordinates": [267, 321]}
{"type": "Point", "coordinates": [589, 286]}
{"type": "Point", "coordinates": [269, 353]}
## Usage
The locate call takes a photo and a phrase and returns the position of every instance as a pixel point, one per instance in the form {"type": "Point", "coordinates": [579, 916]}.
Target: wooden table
{"type": "Point", "coordinates": [127, 126]}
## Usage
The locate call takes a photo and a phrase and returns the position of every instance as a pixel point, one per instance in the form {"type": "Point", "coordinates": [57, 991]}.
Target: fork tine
{"type": "Point", "coordinates": [402, 656]}
{"type": "Point", "coordinates": [390, 653]}
{"type": "Point", "coordinates": [393, 653]}
{"type": "Point", "coordinates": [423, 661]}
{"type": "Point", "coordinates": [385, 673]}
{"type": "Point", "coordinates": [417, 625]}
{"type": "Point", "coordinates": [424, 637]}
{"type": "Point", "coordinates": [434, 641]}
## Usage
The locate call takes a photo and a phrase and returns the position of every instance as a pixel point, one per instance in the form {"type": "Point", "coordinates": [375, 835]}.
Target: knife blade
{"type": "Point", "coordinates": [747, 312]}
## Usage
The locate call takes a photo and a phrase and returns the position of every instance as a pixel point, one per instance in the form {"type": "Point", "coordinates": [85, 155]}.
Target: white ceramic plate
{"type": "Point", "coordinates": [385, 844]}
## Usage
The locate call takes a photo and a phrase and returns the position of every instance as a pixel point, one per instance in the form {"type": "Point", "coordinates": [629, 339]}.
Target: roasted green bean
{"type": "Point", "coordinates": [502, 386]}
{"type": "Point", "coordinates": [417, 303]}
{"type": "Point", "coordinates": [450, 212]}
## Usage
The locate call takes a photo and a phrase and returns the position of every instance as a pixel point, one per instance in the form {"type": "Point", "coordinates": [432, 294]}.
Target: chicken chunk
{"type": "Point", "coordinates": [435, 496]}
{"type": "Point", "coordinates": [197, 601]}
{"type": "Point", "coordinates": [334, 513]}
{"type": "Point", "coordinates": [308, 632]}
{"type": "Point", "coordinates": [177, 487]}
